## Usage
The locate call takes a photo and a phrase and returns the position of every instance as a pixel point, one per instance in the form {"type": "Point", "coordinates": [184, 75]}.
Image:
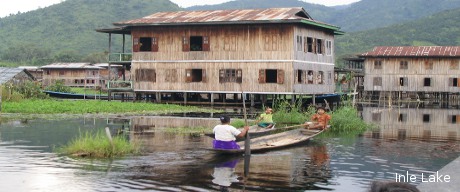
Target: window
{"type": "Point", "coordinates": [426, 118]}
{"type": "Point", "coordinates": [453, 65]}
{"type": "Point", "coordinates": [377, 81]}
{"type": "Point", "coordinates": [328, 47]}
{"type": "Point", "coordinates": [299, 43]}
{"type": "Point", "coordinates": [61, 73]}
{"type": "Point", "coordinates": [171, 75]}
{"type": "Point", "coordinates": [195, 75]}
{"type": "Point", "coordinates": [147, 75]}
{"type": "Point", "coordinates": [76, 81]}
{"type": "Point", "coordinates": [195, 43]}
{"type": "Point", "coordinates": [319, 46]}
{"type": "Point", "coordinates": [402, 118]}
{"type": "Point", "coordinates": [271, 76]}
{"type": "Point", "coordinates": [300, 76]}
{"type": "Point", "coordinates": [403, 65]}
{"type": "Point", "coordinates": [145, 44]}
{"type": "Point", "coordinates": [454, 82]}
{"type": "Point", "coordinates": [428, 65]}
{"type": "Point", "coordinates": [47, 72]}
{"type": "Point", "coordinates": [82, 81]}
{"type": "Point", "coordinates": [320, 77]}
{"type": "Point", "coordinates": [454, 119]}
{"type": "Point", "coordinates": [378, 64]}
{"type": "Point", "coordinates": [403, 81]}
{"type": "Point", "coordinates": [427, 82]}
{"type": "Point", "coordinates": [310, 77]}
{"type": "Point", "coordinates": [310, 44]}
{"type": "Point", "coordinates": [230, 75]}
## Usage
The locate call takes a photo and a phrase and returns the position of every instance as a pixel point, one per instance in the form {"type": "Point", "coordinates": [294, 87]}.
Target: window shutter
{"type": "Point", "coordinates": [296, 76]}
{"type": "Point", "coordinates": [239, 75]}
{"type": "Point", "coordinates": [304, 77]}
{"type": "Point", "coordinates": [185, 45]}
{"type": "Point", "coordinates": [221, 75]}
{"type": "Point", "coordinates": [314, 45]}
{"type": "Point", "coordinates": [206, 45]}
{"type": "Point", "coordinates": [458, 82]}
{"type": "Point", "coordinates": [261, 75]}
{"type": "Point", "coordinates": [154, 44]}
{"type": "Point", "coordinates": [136, 45]}
{"type": "Point", "coordinates": [305, 44]}
{"type": "Point", "coordinates": [188, 75]}
{"type": "Point", "coordinates": [280, 77]}
{"type": "Point", "coordinates": [154, 76]}
{"type": "Point", "coordinates": [203, 77]}
{"type": "Point", "coordinates": [451, 82]}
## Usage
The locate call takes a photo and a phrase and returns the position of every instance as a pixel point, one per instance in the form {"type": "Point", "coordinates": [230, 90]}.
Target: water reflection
{"type": "Point", "coordinates": [224, 173]}
{"type": "Point", "coordinates": [412, 123]}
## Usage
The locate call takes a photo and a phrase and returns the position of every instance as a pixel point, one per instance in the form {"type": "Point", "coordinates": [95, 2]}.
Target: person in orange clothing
{"type": "Point", "coordinates": [319, 120]}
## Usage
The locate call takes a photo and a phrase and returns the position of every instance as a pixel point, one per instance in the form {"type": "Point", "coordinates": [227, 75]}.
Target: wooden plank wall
{"type": "Point", "coordinates": [327, 87]}
{"type": "Point", "coordinates": [232, 42]}
{"type": "Point", "coordinates": [415, 74]}
{"type": "Point", "coordinates": [303, 55]}
{"type": "Point", "coordinates": [439, 125]}
{"type": "Point", "coordinates": [250, 77]}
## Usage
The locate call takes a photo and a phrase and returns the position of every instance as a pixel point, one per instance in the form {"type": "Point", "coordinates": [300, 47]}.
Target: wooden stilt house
{"type": "Point", "coordinates": [257, 51]}
{"type": "Point", "coordinates": [417, 71]}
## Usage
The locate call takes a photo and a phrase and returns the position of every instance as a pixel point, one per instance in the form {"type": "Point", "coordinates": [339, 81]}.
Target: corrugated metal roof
{"type": "Point", "coordinates": [70, 66]}
{"type": "Point", "coordinates": [414, 51]}
{"type": "Point", "coordinates": [272, 15]}
{"type": "Point", "coordinates": [6, 74]}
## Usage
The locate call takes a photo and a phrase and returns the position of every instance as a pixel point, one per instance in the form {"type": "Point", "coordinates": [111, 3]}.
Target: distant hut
{"type": "Point", "coordinates": [14, 76]}
{"type": "Point", "coordinates": [213, 53]}
{"type": "Point", "coordinates": [414, 71]}
{"type": "Point", "coordinates": [34, 71]}
{"type": "Point", "coordinates": [72, 74]}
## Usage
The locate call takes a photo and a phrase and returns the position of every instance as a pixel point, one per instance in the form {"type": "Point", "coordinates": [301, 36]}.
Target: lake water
{"type": "Point", "coordinates": [414, 140]}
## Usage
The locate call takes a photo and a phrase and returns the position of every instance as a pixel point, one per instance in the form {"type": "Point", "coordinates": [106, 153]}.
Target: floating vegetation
{"type": "Point", "coordinates": [50, 106]}
{"type": "Point", "coordinates": [98, 145]}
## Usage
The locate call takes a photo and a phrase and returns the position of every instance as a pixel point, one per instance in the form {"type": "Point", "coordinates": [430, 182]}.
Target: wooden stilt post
{"type": "Point", "coordinates": [212, 99]}
{"type": "Point", "coordinates": [185, 98]}
{"type": "Point", "coordinates": [314, 99]}
{"type": "Point", "coordinates": [252, 100]}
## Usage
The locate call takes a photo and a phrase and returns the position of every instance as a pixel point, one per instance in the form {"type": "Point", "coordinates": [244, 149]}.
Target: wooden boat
{"type": "Point", "coordinates": [275, 141]}
{"type": "Point", "coordinates": [256, 131]}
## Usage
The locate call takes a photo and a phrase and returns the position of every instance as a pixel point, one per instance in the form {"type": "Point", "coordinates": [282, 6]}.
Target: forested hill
{"type": "Point", "coordinates": [438, 29]}
{"type": "Point", "coordinates": [66, 31]}
{"type": "Point", "coordinates": [362, 15]}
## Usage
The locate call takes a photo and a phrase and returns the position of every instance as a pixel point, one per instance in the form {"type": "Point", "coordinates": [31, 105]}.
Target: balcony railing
{"type": "Point", "coordinates": [120, 57]}
{"type": "Point", "coordinates": [120, 85]}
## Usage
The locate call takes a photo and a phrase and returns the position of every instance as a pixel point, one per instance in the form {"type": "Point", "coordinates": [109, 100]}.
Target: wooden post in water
{"type": "Point", "coordinates": [107, 132]}
{"type": "Point", "coordinates": [1, 89]}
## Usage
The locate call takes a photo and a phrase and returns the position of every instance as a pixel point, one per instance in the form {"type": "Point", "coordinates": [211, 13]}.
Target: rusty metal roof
{"type": "Point", "coordinates": [70, 66]}
{"type": "Point", "coordinates": [272, 15]}
{"type": "Point", "coordinates": [414, 51]}
{"type": "Point", "coordinates": [7, 74]}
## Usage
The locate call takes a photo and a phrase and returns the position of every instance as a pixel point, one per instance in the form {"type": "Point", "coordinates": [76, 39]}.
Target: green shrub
{"type": "Point", "coordinates": [58, 86]}
{"type": "Point", "coordinates": [98, 145]}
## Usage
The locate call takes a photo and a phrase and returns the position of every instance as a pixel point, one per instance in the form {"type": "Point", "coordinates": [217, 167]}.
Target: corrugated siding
{"type": "Point", "coordinates": [414, 51]}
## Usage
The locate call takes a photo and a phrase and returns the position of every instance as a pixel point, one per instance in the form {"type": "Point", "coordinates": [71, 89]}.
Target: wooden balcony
{"type": "Point", "coordinates": [121, 86]}
{"type": "Point", "coordinates": [120, 58]}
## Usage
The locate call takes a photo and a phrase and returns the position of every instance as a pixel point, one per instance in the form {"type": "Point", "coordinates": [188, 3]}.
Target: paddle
{"type": "Point", "coordinates": [247, 141]}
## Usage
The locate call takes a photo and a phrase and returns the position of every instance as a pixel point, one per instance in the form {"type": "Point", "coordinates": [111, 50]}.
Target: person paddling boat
{"type": "Point", "coordinates": [225, 134]}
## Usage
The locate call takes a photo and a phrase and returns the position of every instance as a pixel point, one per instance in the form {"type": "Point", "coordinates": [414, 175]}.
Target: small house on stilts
{"type": "Point", "coordinates": [211, 55]}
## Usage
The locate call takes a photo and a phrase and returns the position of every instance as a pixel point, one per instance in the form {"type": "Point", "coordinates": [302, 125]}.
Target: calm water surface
{"type": "Point", "coordinates": [180, 162]}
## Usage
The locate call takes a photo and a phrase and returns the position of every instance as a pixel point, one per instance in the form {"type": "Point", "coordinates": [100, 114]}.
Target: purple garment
{"type": "Point", "coordinates": [225, 144]}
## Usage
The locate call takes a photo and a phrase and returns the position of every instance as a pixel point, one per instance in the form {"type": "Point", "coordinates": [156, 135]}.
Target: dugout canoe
{"type": "Point", "coordinates": [274, 141]}
{"type": "Point", "coordinates": [256, 131]}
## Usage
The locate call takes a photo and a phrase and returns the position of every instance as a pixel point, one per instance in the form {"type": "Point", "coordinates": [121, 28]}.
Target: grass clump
{"type": "Point", "coordinates": [49, 106]}
{"type": "Point", "coordinates": [345, 121]}
{"type": "Point", "coordinates": [286, 113]}
{"type": "Point", "coordinates": [98, 145]}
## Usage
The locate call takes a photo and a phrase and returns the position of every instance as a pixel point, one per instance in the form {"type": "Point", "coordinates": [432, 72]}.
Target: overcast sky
{"type": "Point", "coordinates": [8, 7]}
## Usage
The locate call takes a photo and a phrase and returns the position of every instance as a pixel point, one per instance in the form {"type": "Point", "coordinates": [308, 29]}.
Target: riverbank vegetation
{"type": "Point", "coordinates": [344, 120]}
{"type": "Point", "coordinates": [98, 145]}
{"type": "Point", "coordinates": [49, 106]}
